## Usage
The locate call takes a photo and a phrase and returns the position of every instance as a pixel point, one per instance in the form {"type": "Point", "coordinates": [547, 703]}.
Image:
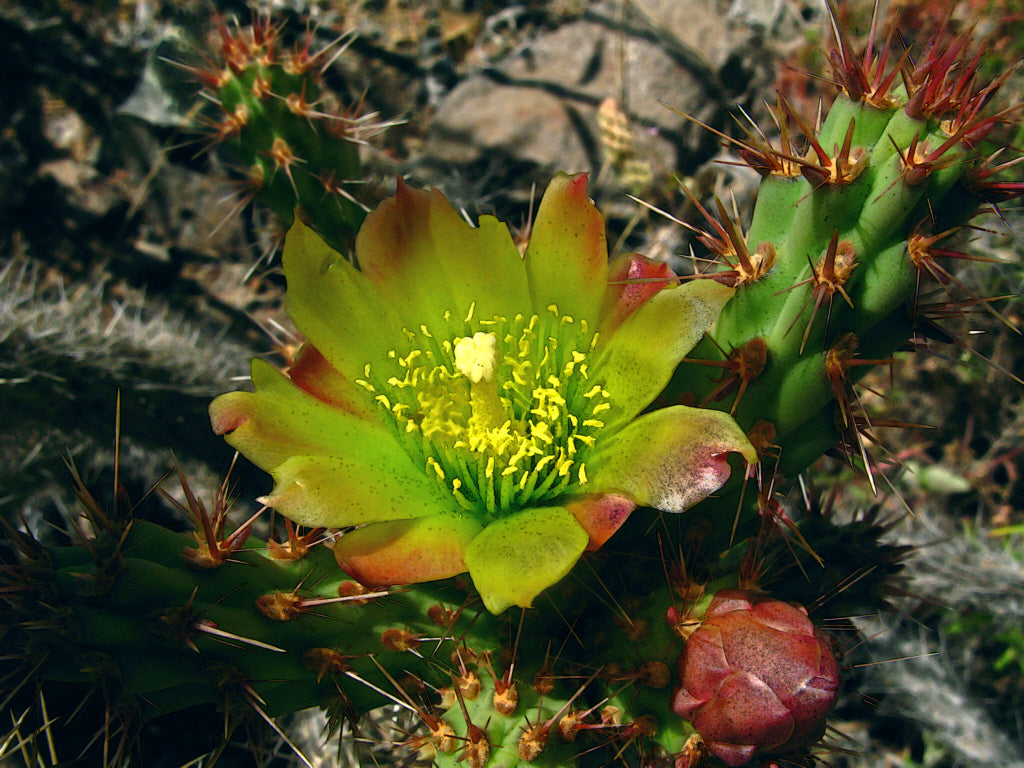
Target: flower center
{"type": "Point", "coordinates": [500, 411]}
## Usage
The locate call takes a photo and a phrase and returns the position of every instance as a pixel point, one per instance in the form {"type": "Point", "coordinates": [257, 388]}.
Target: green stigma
{"type": "Point", "coordinates": [501, 412]}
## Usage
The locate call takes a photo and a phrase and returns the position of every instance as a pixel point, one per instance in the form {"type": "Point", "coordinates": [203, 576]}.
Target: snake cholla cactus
{"type": "Point", "coordinates": [299, 147]}
{"type": "Point", "coordinates": [847, 231]}
{"type": "Point", "coordinates": [460, 409]}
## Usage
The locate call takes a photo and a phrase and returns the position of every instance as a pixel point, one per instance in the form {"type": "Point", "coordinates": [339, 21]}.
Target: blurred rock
{"type": "Point", "coordinates": [539, 104]}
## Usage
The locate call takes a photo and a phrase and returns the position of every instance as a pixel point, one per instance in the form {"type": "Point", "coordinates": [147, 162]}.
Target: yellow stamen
{"type": "Point", "coordinates": [497, 416]}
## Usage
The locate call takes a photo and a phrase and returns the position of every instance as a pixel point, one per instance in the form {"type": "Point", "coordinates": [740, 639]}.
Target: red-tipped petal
{"type": "Point", "coordinates": [312, 373]}
{"type": "Point", "coordinates": [600, 516]}
{"type": "Point", "coordinates": [567, 258]}
{"type": "Point", "coordinates": [671, 458]}
{"type": "Point", "coordinates": [425, 259]}
{"type": "Point", "coordinates": [632, 280]}
{"type": "Point", "coordinates": [407, 551]}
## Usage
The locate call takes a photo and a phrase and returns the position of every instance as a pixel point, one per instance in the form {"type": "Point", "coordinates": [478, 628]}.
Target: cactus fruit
{"type": "Point", "coordinates": [460, 408]}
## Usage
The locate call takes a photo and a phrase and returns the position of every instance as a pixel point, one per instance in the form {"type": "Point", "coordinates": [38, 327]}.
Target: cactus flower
{"type": "Point", "coordinates": [464, 407]}
{"type": "Point", "coordinates": [756, 677]}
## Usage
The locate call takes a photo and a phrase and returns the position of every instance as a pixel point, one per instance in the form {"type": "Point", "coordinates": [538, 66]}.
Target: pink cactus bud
{"type": "Point", "coordinates": [756, 677]}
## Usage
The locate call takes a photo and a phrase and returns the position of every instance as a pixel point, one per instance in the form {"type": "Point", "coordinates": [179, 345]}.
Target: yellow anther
{"type": "Point", "coordinates": [433, 464]}
{"type": "Point", "coordinates": [595, 423]}
{"type": "Point", "coordinates": [518, 376]}
{"type": "Point", "coordinates": [469, 314]}
{"type": "Point", "coordinates": [583, 474]}
{"type": "Point", "coordinates": [577, 358]}
{"type": "Point", "coordinates": [525, 479]}
{"type": "Point", "coordinates": [546, 459]}
{"type": "Point", "coordinates": [593, 391]}
{"type": "Point", "coordinates": [541, 431]}
{"type": "Point", "coordinates": [600, 407]}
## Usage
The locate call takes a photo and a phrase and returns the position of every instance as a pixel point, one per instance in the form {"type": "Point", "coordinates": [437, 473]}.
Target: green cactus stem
{"type": "Point", "coordinates": [830, 272]}
{"type": "Point", "coordinates": [297, 147]}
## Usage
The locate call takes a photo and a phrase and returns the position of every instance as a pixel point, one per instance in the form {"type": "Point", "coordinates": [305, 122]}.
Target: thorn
{"type": "Point", "coordinates": [255, 702]}
{"type": "Point", "coordinates": [923, 255]}
{"type": "Point", "coordinates": [828, 278]}
{"type": "Point", "coordinates": [741, 367]}
{"type": "Point", "coordinates": [297, 546]}
{"type": "Point", "coordinates": [210, 628]}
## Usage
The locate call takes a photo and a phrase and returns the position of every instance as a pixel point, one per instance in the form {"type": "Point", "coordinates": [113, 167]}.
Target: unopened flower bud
{"type": "Point", "coordinates": [756, 677]}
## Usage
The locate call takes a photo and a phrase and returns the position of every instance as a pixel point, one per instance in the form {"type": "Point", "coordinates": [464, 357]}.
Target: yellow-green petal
{"type": "Point", "coordinates": [516, 558]}
{"type": "Point", "coordinates": [567, 257]}
{"type": "Point", "coordinates": [354, 489]}
{"type": "Point", "coordinates": [280, 420]}
{"type": "Point", "coordinates": [670, 459]}
{"type": "Point", "coordinates": [636, 363]}
{"type": "Point", "coordinates": [426, 259]}
{"type": "Point", "coordinates": [334, 305]}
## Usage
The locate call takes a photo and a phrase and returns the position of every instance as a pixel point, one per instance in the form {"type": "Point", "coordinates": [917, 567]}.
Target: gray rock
{"type": "Point", "coordinates": [539, 104]}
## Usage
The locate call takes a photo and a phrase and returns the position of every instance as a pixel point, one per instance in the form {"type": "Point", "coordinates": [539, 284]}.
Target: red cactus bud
{"type": "Point", "coordinates": [756, 677]}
